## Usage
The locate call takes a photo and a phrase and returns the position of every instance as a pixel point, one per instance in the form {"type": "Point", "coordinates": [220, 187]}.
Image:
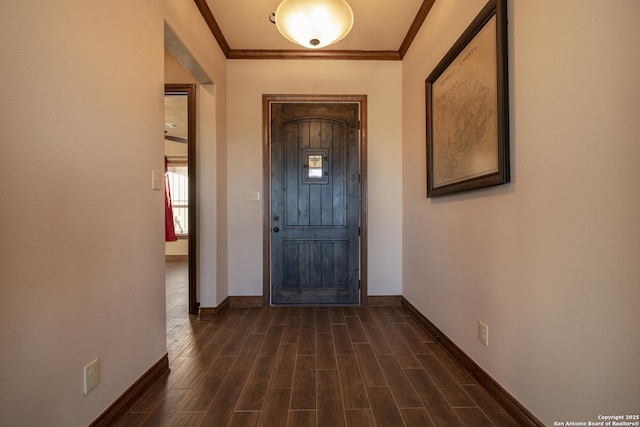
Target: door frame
{"type": "Point", "coordinates": [190, 90]}
{"type": "Point", "coordinates": [267, 100]}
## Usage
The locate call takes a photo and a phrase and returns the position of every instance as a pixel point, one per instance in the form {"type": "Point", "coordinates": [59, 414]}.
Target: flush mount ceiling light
{"type": "Point", "coordinates": [313, 23]}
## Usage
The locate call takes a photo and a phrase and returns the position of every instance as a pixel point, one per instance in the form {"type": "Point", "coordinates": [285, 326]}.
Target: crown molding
{"type": "Point", "coordinates": [203, 7]}
{"type": "Point", "coordinates": [421, 16]}
{"type": "Point", "coordinates": [369, 55]}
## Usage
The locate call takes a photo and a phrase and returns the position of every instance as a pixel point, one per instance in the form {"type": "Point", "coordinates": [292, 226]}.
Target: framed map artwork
{"type": "Point", "coordinates": [467, 109]}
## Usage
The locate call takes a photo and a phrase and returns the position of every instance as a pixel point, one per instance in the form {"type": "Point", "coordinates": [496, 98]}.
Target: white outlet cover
{"type": "Point", "coordinates": [91, 376]}
{"type": "Point", "coordinates": [483, 333]}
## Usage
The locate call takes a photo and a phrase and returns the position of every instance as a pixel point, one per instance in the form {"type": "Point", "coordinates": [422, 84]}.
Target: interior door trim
{"type": "Point", "coordinates": [267, 100]}
{"type": "Point", "coordinates": [190, 90]}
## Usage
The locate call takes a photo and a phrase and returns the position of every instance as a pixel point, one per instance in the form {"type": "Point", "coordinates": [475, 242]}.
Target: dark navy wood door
{"type": "Point", "coordinates": [315, 209]}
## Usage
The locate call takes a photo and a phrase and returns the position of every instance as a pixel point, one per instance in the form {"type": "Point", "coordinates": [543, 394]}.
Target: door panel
{"type": "Point", "coordinates": [315, 203]}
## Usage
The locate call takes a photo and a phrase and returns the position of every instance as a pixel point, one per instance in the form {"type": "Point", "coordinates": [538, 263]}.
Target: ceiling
{"type": "Point", "coordinates": [175, 117]}
{"type": "Point", "coordinates": [243, 30]}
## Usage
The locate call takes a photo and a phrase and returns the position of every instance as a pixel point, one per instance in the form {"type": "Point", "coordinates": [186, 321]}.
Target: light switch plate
{"type": "Point", "coordinates": [252, 196]}
{"type": "Point", "coordinates": [157, 179]}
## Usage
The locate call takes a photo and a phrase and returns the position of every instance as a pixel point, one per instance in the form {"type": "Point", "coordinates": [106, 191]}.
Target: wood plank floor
{"type": "Point", "coordinates": [308, 366]}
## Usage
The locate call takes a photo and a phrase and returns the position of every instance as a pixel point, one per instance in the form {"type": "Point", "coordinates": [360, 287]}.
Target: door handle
{"type": "Point", "coordinates": [276, 229]}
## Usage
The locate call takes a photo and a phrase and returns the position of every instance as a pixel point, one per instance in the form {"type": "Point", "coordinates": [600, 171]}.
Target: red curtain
{"type": "Point", "coordinates": [169, 229]}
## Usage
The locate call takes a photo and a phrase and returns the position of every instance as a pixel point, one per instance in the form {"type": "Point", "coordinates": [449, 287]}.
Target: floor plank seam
{"type": "Point", "coordinates": [381, 349]}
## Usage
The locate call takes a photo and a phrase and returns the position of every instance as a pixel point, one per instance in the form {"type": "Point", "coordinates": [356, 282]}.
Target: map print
{"type": "Point", "coordinates": [464, 118]}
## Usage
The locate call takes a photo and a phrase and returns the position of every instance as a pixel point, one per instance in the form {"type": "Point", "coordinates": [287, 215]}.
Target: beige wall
{"type": "Point", "coordinates": [381, 82]}
{"type": "Point", "coordinates": [83, 280]}
{"type": "Point", "coordinates": [82, 116]}
{"type": "Point", "coordinates": [185, 21]}
{"type": "Point", "coordinates": [174, 71]}
{"type": "Point", "coordinates": [549, 261]}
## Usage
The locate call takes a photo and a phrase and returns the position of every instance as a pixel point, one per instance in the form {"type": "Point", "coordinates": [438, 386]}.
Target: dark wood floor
{"type": "Point", "coordinates": [307, 366]}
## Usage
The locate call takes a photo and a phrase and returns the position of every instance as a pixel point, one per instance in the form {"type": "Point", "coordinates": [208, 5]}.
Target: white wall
{"type": "Point", "coordinates": [381, 82]}
{"type": "Point", "coordinates": [549, 261]}
{"type": "Point", "coordinates": [82, 258]}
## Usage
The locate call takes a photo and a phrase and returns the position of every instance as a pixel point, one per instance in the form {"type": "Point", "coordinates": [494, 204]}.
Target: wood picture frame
{"type": "Point", "coordinates": [467, 109]}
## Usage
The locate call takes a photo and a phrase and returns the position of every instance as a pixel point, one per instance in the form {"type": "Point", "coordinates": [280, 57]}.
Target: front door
{"type": "Point", "coordinates": [315, 203]}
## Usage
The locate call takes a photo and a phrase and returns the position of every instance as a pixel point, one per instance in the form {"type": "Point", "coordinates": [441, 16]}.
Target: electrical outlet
{"type": "Point", "coordinates": [483, 333]}
{"type": "Point", "coordinates": [91, 376]}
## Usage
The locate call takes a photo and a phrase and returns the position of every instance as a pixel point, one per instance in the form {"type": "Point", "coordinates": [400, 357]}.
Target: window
{"type": "Point", "coordinates": [179, 186]}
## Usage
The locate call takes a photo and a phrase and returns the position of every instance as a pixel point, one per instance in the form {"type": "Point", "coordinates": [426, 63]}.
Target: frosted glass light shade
{"type": "Point", "coordinates": [314, 23]}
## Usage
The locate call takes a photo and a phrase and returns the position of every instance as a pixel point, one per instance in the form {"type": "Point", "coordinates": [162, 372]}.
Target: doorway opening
{"type": "Point", "coordinates": [314, 204]}
{"type": "Point", "coordinates": [180, 155]}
